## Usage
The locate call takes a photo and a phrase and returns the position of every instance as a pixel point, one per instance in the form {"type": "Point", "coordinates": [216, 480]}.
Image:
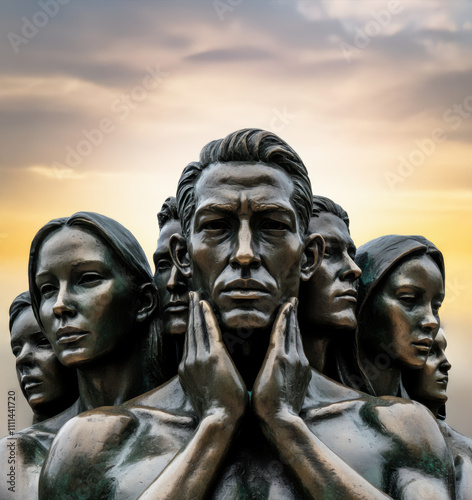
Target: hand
{"type": "Point", "coordinates": [283, 379]}
{"type": "Point", "coordinates": [207, 372]}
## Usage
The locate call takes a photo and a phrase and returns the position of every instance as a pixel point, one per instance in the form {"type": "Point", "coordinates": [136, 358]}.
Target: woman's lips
{"type": "Point", "coordinates": [69, 334]}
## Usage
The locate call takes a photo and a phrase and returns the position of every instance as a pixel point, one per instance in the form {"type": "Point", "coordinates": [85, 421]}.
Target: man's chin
{"type": "Point", "coordinates": [245, 321]}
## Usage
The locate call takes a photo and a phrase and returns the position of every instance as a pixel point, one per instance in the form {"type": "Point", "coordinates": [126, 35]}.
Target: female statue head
{"type": "Point", "coordinates": [429, 385]}
{"type": "Point", "coordinates": [400, 291]}
{"type": "Point", "coordinates": [92, 292]}
{"type": "Point", "coordinates": [48, 386]}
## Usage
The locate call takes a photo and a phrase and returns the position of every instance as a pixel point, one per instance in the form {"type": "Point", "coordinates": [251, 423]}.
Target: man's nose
{"type": "Point", "coordinates": [25, 357]}
{"type": "Point", "coordinates": [351, 271]}
{"type": "Point", "coordinates": [245, 254]}
{"type": "Point", "coordinates": [176, 280]}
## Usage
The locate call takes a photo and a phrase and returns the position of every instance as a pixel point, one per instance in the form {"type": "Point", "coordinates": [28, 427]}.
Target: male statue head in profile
{"type": "Point", "coordinates": [327, 310]}
{"type": "Point", "coordinates": [245, 209]}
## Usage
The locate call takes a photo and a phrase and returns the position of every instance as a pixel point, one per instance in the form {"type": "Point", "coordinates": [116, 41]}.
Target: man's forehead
{"type": "Point", "coordinates": [331, 227]}
{"type": "Point", "coordinates": [231, 182]}
{"type": "Point", "coordinates": [170, 228]}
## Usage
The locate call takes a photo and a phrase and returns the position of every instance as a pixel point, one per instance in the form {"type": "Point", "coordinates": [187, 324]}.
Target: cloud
{"type": "Point", "coordinates": [231, 55]}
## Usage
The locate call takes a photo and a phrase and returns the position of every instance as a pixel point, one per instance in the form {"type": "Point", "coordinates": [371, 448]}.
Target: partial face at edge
{"type": "Point", "coordinates": [430, 383]}
{"type": "Point", "coordinates": [171, 283]}
{"type": "Point", "coordinates": [87, 306]}
{"type": "Point", "coordinates": [329, 298]}
{"type": "Point", "coordinates": [42, 378]}
{"type": "Point", "coordinates": [406, 311]}
{"type": "Point", "coordinates": [245, 246]}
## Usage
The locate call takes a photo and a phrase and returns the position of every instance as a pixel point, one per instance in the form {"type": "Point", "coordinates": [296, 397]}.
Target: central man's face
{"type": "Point", "coordinates": [245, 245]}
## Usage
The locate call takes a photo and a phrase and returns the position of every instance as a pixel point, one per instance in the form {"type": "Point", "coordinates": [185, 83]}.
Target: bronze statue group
{"type": "Point", "coordinates": [266, 358]}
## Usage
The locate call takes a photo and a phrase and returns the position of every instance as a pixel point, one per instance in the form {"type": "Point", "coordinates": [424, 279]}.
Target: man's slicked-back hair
{"type": "Point", "coordinates": [321, 205]}
{"type": "Point", "coordinates": [247, 146]}
{"type": "Point", "coordinates": [169, 211]}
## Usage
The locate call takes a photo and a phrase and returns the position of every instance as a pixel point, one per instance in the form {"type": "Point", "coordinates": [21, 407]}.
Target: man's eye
{"type": "Point", "coordinates": [44, 342]}
{"type": "Point", "coordinates": [273, 225]}
{"type": "Point", "coordinates": [89, 278]}
{"type": "Point", "coordinates": [215, 225]}
{"type": "Point", "coordinates": [163, 265]}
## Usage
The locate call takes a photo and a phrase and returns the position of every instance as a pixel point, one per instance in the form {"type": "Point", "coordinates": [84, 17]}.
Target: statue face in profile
{"type": "Point", "coordinates": [430, 383]}
{"type": "Point", "coordinates": [171, 283]}
{"type": "Point", "coordinates": [405, 310]}
{"type": "Point", "coordinates": [245, 246]}
{"type": "Point", "coordinates": [329, 299]}
{"type": "Point", "coordinates": [42, 378]}
{"type": "Point", "coordinates": [87, 302]}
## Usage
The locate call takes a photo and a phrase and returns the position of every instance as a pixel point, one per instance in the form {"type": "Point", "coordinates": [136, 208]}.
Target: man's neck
{"type": "Point", "coordinates": [247, 353]}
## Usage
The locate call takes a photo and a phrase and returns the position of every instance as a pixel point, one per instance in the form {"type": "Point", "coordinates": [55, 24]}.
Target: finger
{"type": "Point", "coordinates": [211, 323]}
{"type": "Point", "coordinates": [201, 334]}
{"type": "Point", "coordinates": [291, 335]}
{"type": "Point", "coordinates": [191, 343]}
{"type": "Point", "coordinates": [277, 339]}
{"type": "Point", "coordinates": [298, 336]}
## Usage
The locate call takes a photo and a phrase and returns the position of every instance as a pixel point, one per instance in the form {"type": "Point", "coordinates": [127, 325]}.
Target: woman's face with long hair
{"type": "Point", "coordinates": [87, 304]}
{"type": "Point", "coordinates": [405, 311]}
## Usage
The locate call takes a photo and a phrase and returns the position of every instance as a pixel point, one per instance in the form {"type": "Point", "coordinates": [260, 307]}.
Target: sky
{"type": "Point", "coordinates": [103, 103]}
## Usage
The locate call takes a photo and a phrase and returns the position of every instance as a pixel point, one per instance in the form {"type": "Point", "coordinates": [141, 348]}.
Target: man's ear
{"type": "Point", "coordinates": [179, 253]}
{"type": "Point", "coordinates": [313, 255]}
{"type": "Point", "coordinates": [147, 301]}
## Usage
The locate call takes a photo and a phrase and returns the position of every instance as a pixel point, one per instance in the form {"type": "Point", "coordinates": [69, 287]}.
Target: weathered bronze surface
{"type": "Point", "coordinates": [247, 417]}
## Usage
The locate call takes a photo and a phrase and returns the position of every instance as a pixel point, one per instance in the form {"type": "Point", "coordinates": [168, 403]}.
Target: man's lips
{"type": "Point", "coordinates": [176, 306]}
{"type": "Point", "coordinates": [245, 289]}
{"type": "Point", "coordinates": [350, 294]}
{"type": "Point", "coordinates": [69, 334]}
{"type": "Point", "coordinates": [443, 380]}
{"type": "Point", "coordinates": [28, 383]}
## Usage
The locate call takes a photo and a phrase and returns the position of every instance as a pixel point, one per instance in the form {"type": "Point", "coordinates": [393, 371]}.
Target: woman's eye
{"type": "Point", "coordinates": [89, 278]}
{"type": "Point", "coordinates": [408, 299]}
{"type": "Point", "coordinates": [47, 290]}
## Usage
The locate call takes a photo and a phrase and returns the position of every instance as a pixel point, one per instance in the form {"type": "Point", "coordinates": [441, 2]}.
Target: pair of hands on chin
{"type": "Point", "coordinates": [213, 383]}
